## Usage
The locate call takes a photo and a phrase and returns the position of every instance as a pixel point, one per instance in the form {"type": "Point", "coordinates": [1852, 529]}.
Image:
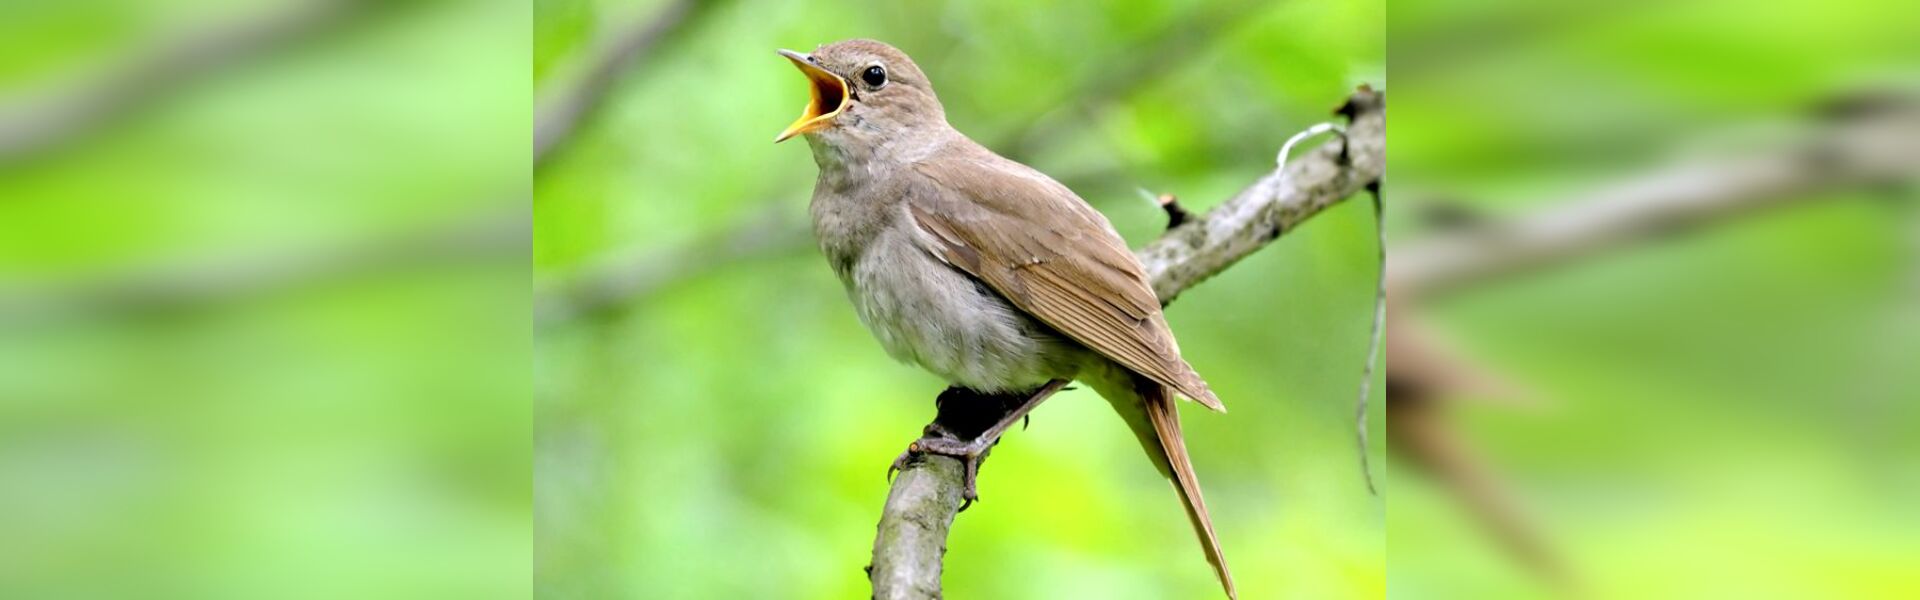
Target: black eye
{"type": "Point", "coordinates": [874, 76]}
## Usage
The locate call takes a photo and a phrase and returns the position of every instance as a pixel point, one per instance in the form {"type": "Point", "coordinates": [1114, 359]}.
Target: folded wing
{"type": "Point", "coordinates": [1043, 249]}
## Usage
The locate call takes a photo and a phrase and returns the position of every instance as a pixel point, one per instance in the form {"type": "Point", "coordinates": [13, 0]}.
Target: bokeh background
{"type": "Point", "coordinates": [1725, 413]}
{"type": "Point", "coordinates": [712, 421]}
{"type": "Point", "coordinates": [264, 300]}
{"type": "Point", "coordinates": [262, 277]}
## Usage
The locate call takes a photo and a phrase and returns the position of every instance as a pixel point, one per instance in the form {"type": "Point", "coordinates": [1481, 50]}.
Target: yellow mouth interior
{"type": "Point", "coordinates": [829, 97]}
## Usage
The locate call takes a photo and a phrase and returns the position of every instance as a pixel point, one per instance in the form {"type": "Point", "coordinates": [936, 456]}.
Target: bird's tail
{"type": "Point", "coordinates": [1150, 411]}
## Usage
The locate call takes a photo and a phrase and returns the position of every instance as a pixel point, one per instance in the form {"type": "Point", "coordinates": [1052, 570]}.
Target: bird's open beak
{"type": "Point", "coordinates": [829, 97]}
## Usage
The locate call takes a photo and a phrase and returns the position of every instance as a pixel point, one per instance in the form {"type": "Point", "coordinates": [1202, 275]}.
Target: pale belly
{"type": "Point", "coordinates": [929, 314]}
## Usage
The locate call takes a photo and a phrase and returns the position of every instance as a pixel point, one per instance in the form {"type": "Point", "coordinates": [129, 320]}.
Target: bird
{"type": "Point", "coordinates": [984, 271]}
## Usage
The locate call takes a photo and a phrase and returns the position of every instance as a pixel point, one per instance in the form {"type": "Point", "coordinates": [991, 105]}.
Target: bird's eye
{"type": "Point", "coordinates": [874, 76]}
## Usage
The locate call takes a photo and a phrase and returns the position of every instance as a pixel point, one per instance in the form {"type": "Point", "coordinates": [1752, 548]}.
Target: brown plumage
{"type": "Point", "coordinates": [1080, 279]}
{"type": "Point", "coordinates": [981, 269]}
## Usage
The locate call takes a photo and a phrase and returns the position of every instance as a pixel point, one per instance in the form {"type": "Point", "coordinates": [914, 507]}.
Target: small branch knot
{"type": "Point", "coordinates": [1177, 215]}
{"type": "Point", "coordinates": [1364, 100]}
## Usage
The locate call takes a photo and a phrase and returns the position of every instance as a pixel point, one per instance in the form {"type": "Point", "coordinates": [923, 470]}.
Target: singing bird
{"type": "Point", "coordinates": [982, 270]}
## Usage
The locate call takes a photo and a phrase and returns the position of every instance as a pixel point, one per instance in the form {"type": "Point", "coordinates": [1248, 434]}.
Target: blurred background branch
{"type": "Point", "coordinates": [1866, 140]}
{"type": "Point", "coordinates": [619, 281]}
{"type": "Point", "coordinates": [37, 127]}
{"type": "Point", "coordinates": [51, 120]}
{"type": "Point", "coordinates": [1874, 146]}
{"type": "Point", "coordinates": [559, 117]}
{"type": "Point", "coordinates": [1140, 65]}
{"type": "Point", "coordinates": [262, 298]}
{"type": "Point", "coordinates": [207, 284]}
{"type": "Point", "coordinates": [47, 120]}
{"type": "Point", "coordinates": [911, 544]}
{"type": "Point", "coordinates": [500, 231]}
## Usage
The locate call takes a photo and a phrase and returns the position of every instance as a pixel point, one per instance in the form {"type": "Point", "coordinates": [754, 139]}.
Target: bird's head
{"type": "Point", "coordinates": [862, 89]}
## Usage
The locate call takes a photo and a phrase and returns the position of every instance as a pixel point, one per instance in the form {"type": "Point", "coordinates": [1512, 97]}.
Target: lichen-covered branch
{"type": "Point", "coordinates": [1278, 202]}
{"type": "Point", "coordinates": [911, 543]}
{"type": "Point", "coordinates": [912, 540]}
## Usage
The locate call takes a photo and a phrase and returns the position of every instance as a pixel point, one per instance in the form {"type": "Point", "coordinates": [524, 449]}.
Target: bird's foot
{"type": "Point", "coordinates": [969, 453]}
{"type": "Point", "coordinates": [967, 430]}
{"type": "Point", "coordinates": [936, 439]}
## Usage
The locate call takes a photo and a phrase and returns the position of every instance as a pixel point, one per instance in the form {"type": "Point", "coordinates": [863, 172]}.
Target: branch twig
{"type": "Point", "coordinates": [1379, 330]}
{"type": "Point", "coordinates": [1177, 215]}
{"type": "Point", "coordinates": [920, 508]}
{"type": "Point", "coordinates": [1278, 202]}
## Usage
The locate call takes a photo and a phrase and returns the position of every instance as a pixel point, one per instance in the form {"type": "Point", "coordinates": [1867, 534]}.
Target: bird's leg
{"type": "Point", "coordinates": [951, 434]}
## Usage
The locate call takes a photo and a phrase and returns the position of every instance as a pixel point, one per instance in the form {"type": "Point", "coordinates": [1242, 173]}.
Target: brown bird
{"type": "Point", "coordinates": [982, 270]}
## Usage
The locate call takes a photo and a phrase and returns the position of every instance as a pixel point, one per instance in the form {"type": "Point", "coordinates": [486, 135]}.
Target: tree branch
{"type": "Point", "coordinates": [911, 541]}
{"type": "Point", "coordinates": [912, 536]}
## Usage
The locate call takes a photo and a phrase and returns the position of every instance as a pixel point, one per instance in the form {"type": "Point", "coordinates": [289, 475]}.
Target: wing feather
{"type": "Point", "coordinates": [1050, 254]}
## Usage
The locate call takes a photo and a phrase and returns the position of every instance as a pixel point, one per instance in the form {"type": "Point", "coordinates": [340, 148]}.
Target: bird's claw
{"type": "Point", "coordinates": [931, 432]}
{"type": "Point", "coordinates": [939, 441]}
{"type": "Point", "coordinates": [900, 462]}
{"type": "Point", "coordinates": [969, 453]}
{"type": "Point", "coordinates": [967, 436]}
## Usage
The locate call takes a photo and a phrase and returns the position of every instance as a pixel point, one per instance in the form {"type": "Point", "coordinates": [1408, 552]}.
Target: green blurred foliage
{"type": "Point", "coordinates": [334, 437]}
{"type": "Point", "coordinates": [1729, 414]}
{"type": "Point", "coordinates": [727, 435]}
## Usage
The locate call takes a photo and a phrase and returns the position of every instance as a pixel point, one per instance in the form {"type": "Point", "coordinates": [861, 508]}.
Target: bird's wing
{"type": "Point", "coordinates": [1054, 257]}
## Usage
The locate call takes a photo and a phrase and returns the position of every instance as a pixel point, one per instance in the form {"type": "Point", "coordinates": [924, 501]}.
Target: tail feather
{"type": "Point", "coordinates": [1157, 402]}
